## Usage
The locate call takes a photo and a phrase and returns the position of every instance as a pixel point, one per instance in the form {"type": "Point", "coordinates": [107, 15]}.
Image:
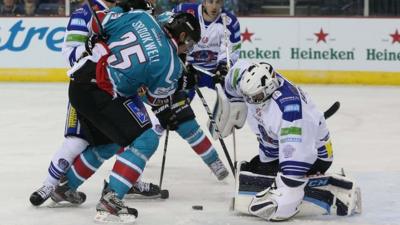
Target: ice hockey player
{"type": "Point", "coordinates": [76, 45]}
{"type": "Point", "coordinates": [294, 144]}
{"type": "Point", "coordinates": [209, 54]}
{"type": "Point", "coordinates": [105, 95]}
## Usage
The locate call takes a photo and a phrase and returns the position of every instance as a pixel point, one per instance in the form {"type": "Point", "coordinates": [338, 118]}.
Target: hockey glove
{"type": "Point", "coordinates": [188, 79]}
{"type": "Point", "coordinates": [90, 42]}
{"type": "Point", "coordinates": [166, 116]}
{"type": "Point", "coordinates": [220, 72]}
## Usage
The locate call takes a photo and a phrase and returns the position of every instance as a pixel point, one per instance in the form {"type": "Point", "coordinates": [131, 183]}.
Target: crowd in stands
{"type": "Point", "coordinates": [32, 8]}
{"type": "Point", "coordinates": [57, 7]}
{"type": "Point", "coordinates": [239, 7]}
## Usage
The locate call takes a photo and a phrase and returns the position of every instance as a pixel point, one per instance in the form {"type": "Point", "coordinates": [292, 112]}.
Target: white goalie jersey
{"type": "Point", "coordinates": [288, 125]}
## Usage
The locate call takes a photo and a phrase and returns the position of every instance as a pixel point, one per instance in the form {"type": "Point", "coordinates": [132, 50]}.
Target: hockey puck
{"type": "Point", "coordinates": [164, 194]}
{"type": "Point", "coordinates": [197, 207]}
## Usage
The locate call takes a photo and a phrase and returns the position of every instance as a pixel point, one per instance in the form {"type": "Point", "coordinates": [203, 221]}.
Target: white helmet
{"type": "Point", "coordinates": [258, 83]}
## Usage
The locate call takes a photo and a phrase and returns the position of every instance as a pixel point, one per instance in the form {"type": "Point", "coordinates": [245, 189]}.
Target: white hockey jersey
{"type": "Point", "coordinates": [288, 126]}
{"type": "Point", "coordinates": [211, 49]}
{"type": "Point", "coordinates": [78, 31]}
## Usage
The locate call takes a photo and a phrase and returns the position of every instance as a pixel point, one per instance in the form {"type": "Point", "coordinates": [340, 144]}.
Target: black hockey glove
{"type": "Point", "coordinates": [166, 116]}
{"type": "Point", "coordinates": [220, 72]}
{"type": "Point", "coordinates": [90, 42]}
{"type": "Point", "coordinates": [188, 79]}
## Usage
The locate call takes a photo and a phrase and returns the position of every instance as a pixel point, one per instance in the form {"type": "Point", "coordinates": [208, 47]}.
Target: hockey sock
{"type": "Point", "coordinates": [63, 158]}
{"type": "Point", "coordinates": [130, 163]}
{"type": "Point", "coordinates": [199, 142]}
{"type": "Point", "coordinates": [87, 163]}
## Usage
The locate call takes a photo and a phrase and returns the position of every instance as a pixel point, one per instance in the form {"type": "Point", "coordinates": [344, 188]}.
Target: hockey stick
{"type": "Point", "coordinates": [96, 18]}
{"type": "Point", "coordinates": [228, 66]}
{"type": "Point", "coordinates": [221, 141]}
{"type": "Point", "coordinates": [164, 157]}
{"type": "Point", "coordinates": [332, 110]}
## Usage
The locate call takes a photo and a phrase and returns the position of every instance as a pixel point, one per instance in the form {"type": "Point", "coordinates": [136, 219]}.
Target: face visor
{"type": "Point", "coordinates": [257, 98]}
{"type": "Point", "coordinates": [189, 45]}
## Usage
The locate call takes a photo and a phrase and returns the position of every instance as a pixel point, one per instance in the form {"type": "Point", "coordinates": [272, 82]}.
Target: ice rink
{"type": "Point", "coordinates": [365, 133]}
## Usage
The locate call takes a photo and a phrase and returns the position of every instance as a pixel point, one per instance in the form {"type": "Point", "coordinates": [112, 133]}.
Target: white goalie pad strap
{"type": "Point", "coordinates": [227, 115]}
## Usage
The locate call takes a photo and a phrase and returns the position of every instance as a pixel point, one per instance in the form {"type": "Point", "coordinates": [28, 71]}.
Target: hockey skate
{"type": "Point", "coordinates": [41, 195]}
{"type": "Point", "coordinates": [112, 209]}
{"type": "Point", "coordinates": [219, 170]}
{"type": "Point", "coordinates": [143, 190]}
{"type": "Point", "coordinates": [64, 196]}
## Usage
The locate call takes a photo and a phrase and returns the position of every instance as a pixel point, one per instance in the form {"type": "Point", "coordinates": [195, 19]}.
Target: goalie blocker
{"type": "Point", "coordinates": [329, 194]}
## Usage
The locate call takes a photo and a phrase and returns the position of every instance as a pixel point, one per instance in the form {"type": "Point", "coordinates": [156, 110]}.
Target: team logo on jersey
{"type": "Point", "coordinates": [139, 113]}
{"type": "Point", "coordinates": [276, 94]}
{"type": "Point", "coordinates": [204, 39]}
{"type": "Point", "coordinates": [288, 151]}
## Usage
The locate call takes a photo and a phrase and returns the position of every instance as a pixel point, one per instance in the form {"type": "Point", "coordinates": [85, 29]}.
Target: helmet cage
{"type": "Point", "coordinates": [263, 86]}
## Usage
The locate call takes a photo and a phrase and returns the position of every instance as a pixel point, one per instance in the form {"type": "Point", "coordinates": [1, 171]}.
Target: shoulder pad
{"type": "Point", "coordinates": [288, 100]}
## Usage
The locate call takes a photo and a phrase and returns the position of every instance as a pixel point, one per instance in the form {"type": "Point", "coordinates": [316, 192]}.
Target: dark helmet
{"type": "Point", "coordinates": [184, 22]}
{"type": "Point", "coordinates": [128, 5]}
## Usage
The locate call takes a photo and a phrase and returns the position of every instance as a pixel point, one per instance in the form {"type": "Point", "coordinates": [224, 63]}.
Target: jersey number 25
{"type": "Point", "coordinates": [129, 47]}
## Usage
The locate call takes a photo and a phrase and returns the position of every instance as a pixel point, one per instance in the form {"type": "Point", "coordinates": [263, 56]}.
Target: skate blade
{"type": "Point", "coordinates": [164, 194]}
{"type": "Point", "coordinates": [106, 217]}
{"type": "Point", "coordinates": [62, 204]}
{"type": "Point", "coordinates": [142, 197]}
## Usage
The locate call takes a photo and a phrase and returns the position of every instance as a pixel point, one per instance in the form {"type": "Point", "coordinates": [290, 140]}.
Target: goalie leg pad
{"type": "Point", "coordinates": [281, 203]}
{"type": "Point", "coordinates": [247, 185]}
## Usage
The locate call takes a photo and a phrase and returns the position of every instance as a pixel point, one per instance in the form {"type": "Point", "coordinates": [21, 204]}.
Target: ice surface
{"type": "Point", "coordinates": [365, 132]}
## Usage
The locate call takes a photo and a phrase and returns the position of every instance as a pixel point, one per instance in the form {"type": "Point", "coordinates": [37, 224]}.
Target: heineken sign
{"type": "Point", "coordinates": [323, 44]}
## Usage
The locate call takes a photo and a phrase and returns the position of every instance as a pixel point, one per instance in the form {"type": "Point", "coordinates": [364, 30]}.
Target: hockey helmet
{"type": "Point", "coordinates": [258, 83]}
{"type": "Point", "coordinates": [128, 5]}
{"type": "Point", "coordinates": [184, 22]}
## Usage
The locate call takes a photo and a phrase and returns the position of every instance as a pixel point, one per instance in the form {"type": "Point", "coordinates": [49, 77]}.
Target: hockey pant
{"type": "Point", "coordinates": [121, 122]}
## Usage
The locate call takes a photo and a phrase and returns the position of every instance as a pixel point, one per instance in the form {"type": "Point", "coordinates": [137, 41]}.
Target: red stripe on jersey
{"type": "Point", "coordinates": [82, 169]}
{"type": "Point", "coordinates": [102, 78]}
{"type": "Point", "coordinates": [121, 150]}
{"type": "Point", "coordinates": [125, 171]}
{"type": "Point", "coordinates": [203, 146]}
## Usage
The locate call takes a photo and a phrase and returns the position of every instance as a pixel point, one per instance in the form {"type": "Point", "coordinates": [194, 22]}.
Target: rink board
{"type": "Point", "coordinates": [308, 77]}
{"type": "Point", "coordinates": [306, 50]}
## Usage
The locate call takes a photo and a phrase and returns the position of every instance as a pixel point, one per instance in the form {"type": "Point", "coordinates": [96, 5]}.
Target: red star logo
{"type": "Point", "coordinates": [321, 36]}
{"type": "Point", "coordinates": [396, 37]}
{"type": "Point", "coordinates": [246, 36]}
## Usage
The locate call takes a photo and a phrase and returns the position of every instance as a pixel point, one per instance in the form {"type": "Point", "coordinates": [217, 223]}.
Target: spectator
{"type": "Point", "coordinates": [30, 7]}
{"type": "Point", "coordinates": [10, 8]}
{"type": "Point", "coordinates": [61, 9]}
